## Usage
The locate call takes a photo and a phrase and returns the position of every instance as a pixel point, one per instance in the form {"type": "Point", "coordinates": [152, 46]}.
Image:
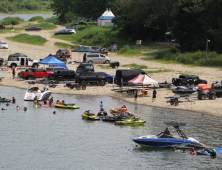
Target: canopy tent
{"type": "Point", "coordinates": [142, 79]}
{"type": "Point", "coordinates": [106, 18]}
{"type": "Point", "coordinates": [50, 60]}
{"type": "Point", "coordinates": [85, 49]}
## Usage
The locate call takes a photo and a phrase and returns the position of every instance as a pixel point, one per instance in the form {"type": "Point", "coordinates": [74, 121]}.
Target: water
{"type": "Point", "coordinates": [38, 139]}
{"type": "Point", "coordinates": [26, 17]}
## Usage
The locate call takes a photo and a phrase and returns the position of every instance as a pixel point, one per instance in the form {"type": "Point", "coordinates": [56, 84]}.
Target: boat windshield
{"type": "Point", "coordinates": [162, 135]}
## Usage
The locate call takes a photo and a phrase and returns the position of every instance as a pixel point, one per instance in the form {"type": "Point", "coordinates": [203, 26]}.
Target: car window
{"type": "Point", "coordinates": [43, 70]}
{"type": "Point", "coordinates": [37, 70]}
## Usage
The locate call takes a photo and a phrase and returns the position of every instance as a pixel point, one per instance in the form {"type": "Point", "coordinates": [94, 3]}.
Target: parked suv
{"type": "Point", "coordinates": [2, 27]}
{"type": "Point", "coordinates": [113, 47]}
{"type": "Point", "coordinates": [96, 58]}
{"type": "Point", "coordinates": [85, 67]}
{"type": "Point", "coordinates": [91, 78]}
{"type": "Point", "coordinates": [184, 80]}
{"type": "Point", "coordinates": [62, 75]}
{"type": "Point", "coordinates": [33, 73]}
{"type": "Point", "coordinates": [63, 53]}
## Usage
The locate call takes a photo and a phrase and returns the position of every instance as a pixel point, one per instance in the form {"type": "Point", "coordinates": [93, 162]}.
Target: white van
{"type": "Point", "coordinates": [96, 58]}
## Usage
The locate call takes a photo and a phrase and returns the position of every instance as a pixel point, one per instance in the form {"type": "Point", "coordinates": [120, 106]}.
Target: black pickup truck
{"type": "Point", "coordinates": [185, 80]}
{"type": "Point", "coordinates": [98, 78]}
{"type": "Point", "coordinates": [62, 75]}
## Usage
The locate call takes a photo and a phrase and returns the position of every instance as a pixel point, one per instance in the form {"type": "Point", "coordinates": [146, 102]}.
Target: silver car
{"type": "Point", "coordinates": [96, 58]}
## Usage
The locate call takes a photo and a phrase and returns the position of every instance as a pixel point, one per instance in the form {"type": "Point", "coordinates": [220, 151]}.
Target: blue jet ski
{"type": "Point", "coordinates": [218, 151]}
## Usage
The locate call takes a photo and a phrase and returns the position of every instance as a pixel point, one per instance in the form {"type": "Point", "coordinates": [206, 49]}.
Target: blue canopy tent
{"type": "Point", "coordinates": [50, 60]}
{"type": "Point", "coordinates": [85, 49]}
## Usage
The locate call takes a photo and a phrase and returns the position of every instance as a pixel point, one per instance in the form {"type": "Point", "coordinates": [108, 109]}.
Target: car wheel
{"type": "Point", "coordinates": [35, 66]}
{"type": "Point", "coordinates": [202, 97]}
{"type": "Point", "coordinates": [83, 82]}
{"type": "Point", "coordinates": [173, 81]}
{"type": "Point", "coordinates": [77, 87]}
{"type": "Point", "coordinates": [129, 92]}
{"type": "Point", "coordinates": [107, 62]}
{"type": "Point", "coordinates": [90, 62]}
{"type": "Point", "coordinates": [102, 82]}
{"type": "Point", "coordinates": [1, 63]}
{"type": "Point", "coordinates": [13, 66]}
{"type": "Point", "coordinates": [31, 78]}
{"type": "Point", "coordinates": [213, 97]}
{"type": "Point", "coordinates": [84, 87]}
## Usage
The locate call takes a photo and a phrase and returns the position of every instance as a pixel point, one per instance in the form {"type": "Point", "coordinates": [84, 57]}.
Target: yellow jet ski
{"type": "Point", "coordinates": [134, 121]}
{"type": "Point", "coordinates": [67, 106]}
{"type": "Point", "coordinates": [89, 116]}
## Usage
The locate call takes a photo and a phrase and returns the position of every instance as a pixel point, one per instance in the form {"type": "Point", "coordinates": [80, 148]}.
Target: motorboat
{"type": "Point", "coordinates": [2, 99]}
{"type": "Point", "coordinates": [169, 141]}
{"type": "Point", "coordinates": [33, 92]}
{"type": "Point", "coordinates": [67, 106]}
{"type": "Point", "coordinates": [185, 90]}
{"type": "Point", "coordinates": [133, 121]}
{"type": "Point", "coordinates": [89, 116]}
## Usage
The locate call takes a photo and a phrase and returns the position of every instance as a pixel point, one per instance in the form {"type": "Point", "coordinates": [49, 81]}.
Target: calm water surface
{"type": "Point", "coordinates": [38, 139]}
{"type": "Point", "coordinates": [26, 17]}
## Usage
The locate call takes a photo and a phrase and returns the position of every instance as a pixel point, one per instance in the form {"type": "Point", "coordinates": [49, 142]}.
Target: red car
{"type": "Point", "coordinates": [33, 73]}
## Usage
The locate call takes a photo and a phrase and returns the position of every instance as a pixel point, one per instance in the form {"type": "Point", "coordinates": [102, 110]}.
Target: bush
{"type": "Point", "coordinates": [29, 39]}
{"type": "Point", "coordinates": [37, 18]}
{"type": "Point", "coordinates": [12, 21]}
{"type": "Point", "coordinates": [51, 19]}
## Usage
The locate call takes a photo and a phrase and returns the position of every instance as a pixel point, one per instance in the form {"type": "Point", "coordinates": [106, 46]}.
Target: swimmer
{"type": "Point", "coordinates": [17, 107]}
{"type": "Point", "coordinates": [7, 104]}
{"type": "Point", "coordinates": [25, 108]}
{"type": "Point", "coordinates": [4, 109]}
{"type": "Point", "coordinates": [54, 112]}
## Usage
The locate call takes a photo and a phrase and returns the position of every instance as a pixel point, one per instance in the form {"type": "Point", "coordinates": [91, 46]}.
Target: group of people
{"type": "Point", "coordinates": [153, 97]}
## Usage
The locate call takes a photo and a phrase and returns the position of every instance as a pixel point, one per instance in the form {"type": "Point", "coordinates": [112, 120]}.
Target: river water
{"type": "Point", "coordinates": [38, 139]}
{"type": "Point", "coordinates": [26, 17]}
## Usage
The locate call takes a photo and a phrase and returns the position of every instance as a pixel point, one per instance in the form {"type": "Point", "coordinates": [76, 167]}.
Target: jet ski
{"type": "Point", "coordinates": [218, 151]}
{"type": "Point", "coordinates": [168, 140]}
{"type": "Point", "coordinates": [89, 116]}
{"type": "Point", "coordinates": [118, 117]}
{"type": "Point", "coordinates": [67, 106]}
{"type": "Point", "coordinates": [185, 90]}
{"type": "Point", "coordinates": [134, 121]}
{"type": "Point", "coordinates": [102, 113]}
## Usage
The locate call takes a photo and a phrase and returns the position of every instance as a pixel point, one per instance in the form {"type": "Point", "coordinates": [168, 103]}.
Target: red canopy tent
{"type": "Point", "coordinates": [142, 79]}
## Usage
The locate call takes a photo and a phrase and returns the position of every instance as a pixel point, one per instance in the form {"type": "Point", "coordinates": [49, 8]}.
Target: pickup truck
{"type": "Point", "coordinates": [98, 78]}
{"type": "Point", "coordinates": [184, 80]}
{"type": "Point", "coordinates": [16, 61]}
{"type": "Point", "coordinates": [33, 73]}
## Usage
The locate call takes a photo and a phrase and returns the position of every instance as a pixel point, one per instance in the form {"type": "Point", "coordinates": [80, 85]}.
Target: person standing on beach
{"type": "Point", "coordinates": [154, 95]}
{"type": "Point", "coordinates": [13, 72]}
{"type": "Point", "coordinates": [136, 98]}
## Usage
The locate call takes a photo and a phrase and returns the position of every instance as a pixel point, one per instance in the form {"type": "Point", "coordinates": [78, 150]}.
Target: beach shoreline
{"type": "Point", "coordinates": [208, 107]}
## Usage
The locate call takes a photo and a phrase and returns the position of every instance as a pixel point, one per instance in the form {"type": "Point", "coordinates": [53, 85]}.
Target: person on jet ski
{"type": "Point", "coordinates": [212, 153]}
{"type": "Point", "coordinates": [167, 132]}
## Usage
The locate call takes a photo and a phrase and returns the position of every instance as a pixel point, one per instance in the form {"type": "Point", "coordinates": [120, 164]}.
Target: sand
{"type": "Point", "coordinates": [209, 107]}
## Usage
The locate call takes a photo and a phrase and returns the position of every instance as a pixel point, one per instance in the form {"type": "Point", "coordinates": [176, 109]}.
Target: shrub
{"type": "Point", "coordinates": [12, 21]}
{"type": "Point", "coordinates": [37, 18]}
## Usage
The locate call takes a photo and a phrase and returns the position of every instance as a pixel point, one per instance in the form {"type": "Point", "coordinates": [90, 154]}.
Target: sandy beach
{"type": "Point", "coordinates": [209, 107]}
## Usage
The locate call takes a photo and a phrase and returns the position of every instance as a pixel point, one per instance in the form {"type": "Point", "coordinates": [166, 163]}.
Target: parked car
{"type": "Point", "coordinates": [90, 78]}
{"type": "Point", "coordinates": [96, 58]}
{"type": "Point", "coordinates": [85, 67]}
{"type": "Point", "coordinates": [80, 23]}
{"type": "Point", "coordinates": [3, 45]}
{"type": "Point", "coordinates": [62, 75]}
{"type": "Point", "coordinates": [217, 87]}
{"type": "Point", "coordinates": [2, 27]}
{"type": "Point", "coordinates": [33, 73]}
{"type": "Point", "coordinates": [33, 28]}
{"type": "Point", "coordinates": [124, 75]}
{"type": "Point", "coordinates": [63, 53]}
{"type": "Point", "coordinates": [113, 47]}
{"type": "Point", "coordinates": [101, 49]}
{"type": "Point", "coordinates": [65, 31]}
{"type": "Point", "coordinates": [184, 80]}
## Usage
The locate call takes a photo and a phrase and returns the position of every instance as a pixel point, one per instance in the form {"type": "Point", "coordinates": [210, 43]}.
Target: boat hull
{"type": "Point", "coordinates": [40, 96]}
{"type": "Point", "coordinates": [168, 143]}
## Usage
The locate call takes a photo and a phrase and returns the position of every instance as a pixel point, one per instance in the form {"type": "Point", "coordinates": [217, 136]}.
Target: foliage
{"type": "Point", "coordinates": [51, 19]}
{"type": "Point", "coordinates": [135, 66]}
{"type": "Point", "coordinates": [28, 39]}
{"type": "Point", "coordinates": [126, 50]}
{"type": "Point", "coordinates": [65, 45]}
{"type": "Point", "coordinates": [12, 21]}
{"type": "Point", "coordinates": [46, 26]}
{"type": "Point", "coordinates": [37, 18]}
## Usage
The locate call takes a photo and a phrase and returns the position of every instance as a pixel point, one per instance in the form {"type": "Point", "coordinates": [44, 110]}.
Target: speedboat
{"type": "Point", "coordinates": [67, 106]}
{"type": "Point", "coordinates": [33, 92]}
{"type": "Point", "coordinates": [134, 121]}
{"type": "Point", "coordinates": [89, 116]}
{"type": "Point", "coordinates": [169, 141]}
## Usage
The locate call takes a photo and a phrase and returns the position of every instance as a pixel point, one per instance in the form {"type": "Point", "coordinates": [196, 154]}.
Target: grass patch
{"type": "Point", "coordinates": [37, 18]}
{"type": "Point", "coordinates": [104, 66]}
{"type": "Point", "coordinates": [44, 26]}
{"type": "Point", "coordinates": [133, 66]}
{"type": "Point", "coordinates": [12, 21]}
{"type": "Point", "coordinates": [51, 19]}
{"type": "Point", "coordinates": [127, 51]}
{"type": "Point", "coordinates": [158, 71]}
{"type": "Point", "coordinates": [65, 45]}
{"type": "Point", "coordinates": [28, 39]}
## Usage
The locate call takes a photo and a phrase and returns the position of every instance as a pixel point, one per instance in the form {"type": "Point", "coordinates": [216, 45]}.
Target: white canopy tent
{"type": "Point", "coordinates": [142, 79]}
{"type": "Point", "coordinates": [106, 18]}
